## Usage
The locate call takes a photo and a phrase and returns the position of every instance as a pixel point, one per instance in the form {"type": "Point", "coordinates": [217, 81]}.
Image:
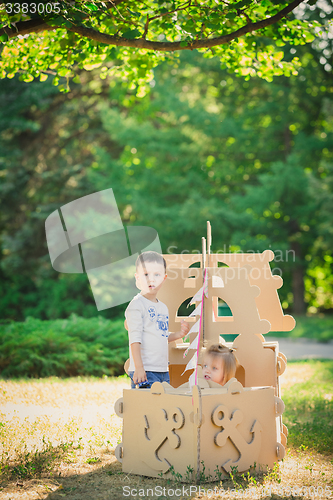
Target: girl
{"type": "Point", "coordinates": [219, 364]}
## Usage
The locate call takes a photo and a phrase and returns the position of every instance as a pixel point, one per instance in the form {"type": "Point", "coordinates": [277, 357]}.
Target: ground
{"type": "Point", "coordinates": [58, 439]}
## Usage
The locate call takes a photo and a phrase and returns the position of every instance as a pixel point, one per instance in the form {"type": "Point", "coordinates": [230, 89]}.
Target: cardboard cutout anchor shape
{"type": "Point", "coordinates": [228, 423]}
{"type": "Point", "coordinates": [168, 424]}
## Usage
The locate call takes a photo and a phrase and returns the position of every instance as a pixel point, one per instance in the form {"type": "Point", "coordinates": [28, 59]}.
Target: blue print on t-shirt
{"type": "Point", "coordinates": [163, 324]}
{"type": "Point", "coordinates": [152, 313]}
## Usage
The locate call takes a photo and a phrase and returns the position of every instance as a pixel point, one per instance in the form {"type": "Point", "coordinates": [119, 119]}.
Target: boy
{"type": "Point", "coordinates": [148, 320]}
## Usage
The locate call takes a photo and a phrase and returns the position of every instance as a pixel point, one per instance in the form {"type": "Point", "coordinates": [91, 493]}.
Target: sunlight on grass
{"type": "Point", "coordinates": [73, 416]}
{"type": "Point", "coordinates": [309, 405]}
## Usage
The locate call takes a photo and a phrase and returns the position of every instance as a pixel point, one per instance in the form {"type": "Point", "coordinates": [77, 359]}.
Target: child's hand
{"type": "Point", "coordinates": [184, 328]}
{"type": "Point", "coordinates": [139, 375]}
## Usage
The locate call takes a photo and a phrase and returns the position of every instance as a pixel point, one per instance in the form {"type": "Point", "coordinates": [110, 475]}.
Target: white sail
{"type": "Point", "coordinates": [193, 345]}
{"type": "Point", "coordinates": [192, 364]}
{"type": "Point", "coordinates": [197, 310]}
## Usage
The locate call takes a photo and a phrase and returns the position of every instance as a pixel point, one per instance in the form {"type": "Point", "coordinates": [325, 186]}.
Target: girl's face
{"type": "Point", "coordinates": [213, 368]}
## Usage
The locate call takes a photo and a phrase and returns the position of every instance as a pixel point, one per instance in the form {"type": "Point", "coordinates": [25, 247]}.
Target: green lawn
{"type": "Point", "coordinates": [318, 328]}
{"type": "Point", "coordinates": [308, 398]}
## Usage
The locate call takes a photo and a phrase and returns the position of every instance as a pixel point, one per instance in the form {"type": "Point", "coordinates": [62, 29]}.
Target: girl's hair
{"type": "Point", "coordinates": [228, 358]}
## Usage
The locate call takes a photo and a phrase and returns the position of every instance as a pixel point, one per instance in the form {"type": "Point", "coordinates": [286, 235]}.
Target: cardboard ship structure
{"type": "Point", "coordinates": [196, 424]}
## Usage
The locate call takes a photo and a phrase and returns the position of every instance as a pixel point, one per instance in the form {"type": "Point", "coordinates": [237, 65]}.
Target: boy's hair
{"type": "Point", "coordinates": [228, 358]}
{"type": "Point", "coordinates": [150, 257]}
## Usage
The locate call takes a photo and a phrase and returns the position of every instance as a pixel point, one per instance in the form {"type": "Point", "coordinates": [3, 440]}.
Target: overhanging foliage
{"type": "Point", "coordinates": [131, 37]}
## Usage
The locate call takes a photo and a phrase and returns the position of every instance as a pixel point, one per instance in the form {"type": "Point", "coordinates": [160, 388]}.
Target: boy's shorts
{"type": "Point", "coordinates": [152, 377]}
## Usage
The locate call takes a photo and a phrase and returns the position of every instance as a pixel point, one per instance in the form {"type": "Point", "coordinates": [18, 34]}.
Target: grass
{"type": "Point", "coordinates": [35, 463]}
{"type": "Point", "coordinates": [309, 406]}
{"type": "Point", "coordinates": [46, 422]}
{"type": "Point", "coordinates": [318, 328]}
{"type": "Point", "coordinates": [57, 439]}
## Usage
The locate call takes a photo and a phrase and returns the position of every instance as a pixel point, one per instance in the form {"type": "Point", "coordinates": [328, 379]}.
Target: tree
{"type": "Point", "coordinates": [45, 149]}
{"type": "Point", "coordinates": [131, 37]}
{"type": "Point", "coordinates": [281, 209]}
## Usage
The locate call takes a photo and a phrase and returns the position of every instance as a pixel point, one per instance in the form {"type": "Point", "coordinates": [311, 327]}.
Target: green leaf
{"type": "Point", "coordinates": [91, 6]}
{"type": "Point", "coordinates": [64, 72]}
{"type": "Point", "coordinates": [26, 78]}
{"type": "Point", "coordinates": [64, 88]}
{"type": "Point", "coordinates": [78, 16]}
{"type": "Point", "coordinates": [131, 34]}
{"type": "Point", "coordinates": [309, 37]}
{"type": "Point", "coordinates": [231, 16]}
{"type": "Point", "coordinates": [56, 21]}
{"type": "Point", "coordinates": [211, 26]}
{"type": "Point", "coordinates": [91, 66]}
{"type": "Point", "coordinates": [136, 14]}
{"type": "Point", "coordinates": [4, 37]}
{"type": "Point", "coordinates": [60, 21]}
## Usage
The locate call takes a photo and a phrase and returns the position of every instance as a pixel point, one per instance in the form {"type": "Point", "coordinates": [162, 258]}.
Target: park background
{"type": "Point", "coordinates": [196, 143]}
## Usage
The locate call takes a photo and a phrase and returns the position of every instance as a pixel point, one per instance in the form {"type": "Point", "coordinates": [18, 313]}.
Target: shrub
{"type": "Point", "coordinates": [64, 348]}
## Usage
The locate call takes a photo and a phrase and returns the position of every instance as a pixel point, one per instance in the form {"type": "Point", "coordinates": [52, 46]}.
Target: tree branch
{"type": "Point", "coordinates": [114, 3]}
{"type": "Point", "coordinates": [27, 27]}
{"type": "Point", "coordinates": [37, 25]}
{"type": "Point", "coordinates": [173, 46]}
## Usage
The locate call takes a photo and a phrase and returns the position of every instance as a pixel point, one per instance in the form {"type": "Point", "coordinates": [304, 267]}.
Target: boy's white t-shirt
{"type": "Point", "coordinates": [148, 323]}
